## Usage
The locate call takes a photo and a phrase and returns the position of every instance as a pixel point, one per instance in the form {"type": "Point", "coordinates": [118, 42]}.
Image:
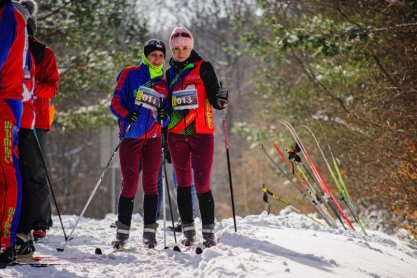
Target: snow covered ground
{"type": "Point", "coordinates": [285, 245]}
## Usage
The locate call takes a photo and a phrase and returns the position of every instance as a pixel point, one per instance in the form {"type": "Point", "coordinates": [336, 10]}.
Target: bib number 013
{"type": "Point", "coordinates": [184, 99]}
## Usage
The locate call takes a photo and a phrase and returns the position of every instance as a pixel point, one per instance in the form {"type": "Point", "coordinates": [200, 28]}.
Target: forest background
{"type": "Point", "coordinates": [346, 69]}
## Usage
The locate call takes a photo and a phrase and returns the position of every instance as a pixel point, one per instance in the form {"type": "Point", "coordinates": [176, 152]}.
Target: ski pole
{"type": "Point", "coordinates": [276, 197]}
{"type": "Point", "coordinates": [226, 144]}
{"type": "Point", "coordinates": [49, 183]}
{"type": "Point", "coordinates": [164, 184]}
{"type": "Point", "coordinates": [96, 187]}
{"type": "Point", "coordinates": [163, 200]}
{"type": "Point", "coordinates": [169, 200]}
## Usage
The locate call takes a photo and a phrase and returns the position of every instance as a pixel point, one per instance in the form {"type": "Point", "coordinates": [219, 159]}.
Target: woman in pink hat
{"type": "Point", "coordinates": [193, 90]}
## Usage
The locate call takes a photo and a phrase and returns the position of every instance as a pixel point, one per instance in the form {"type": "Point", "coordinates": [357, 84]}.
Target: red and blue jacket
{"type": "Point", "coordinates": [123, 102]}
{"type": "Point", "coordinates": [12, 52]}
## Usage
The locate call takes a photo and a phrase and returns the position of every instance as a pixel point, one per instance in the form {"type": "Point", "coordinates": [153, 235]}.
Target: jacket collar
{"type": "Point", "coordinates": [178, 66]}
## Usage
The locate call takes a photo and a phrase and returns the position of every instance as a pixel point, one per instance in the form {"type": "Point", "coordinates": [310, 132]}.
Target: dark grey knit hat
{"type": "Point", "coordinates": [32, 7]}
{"type": "Point", "coordinates": [153, 45]}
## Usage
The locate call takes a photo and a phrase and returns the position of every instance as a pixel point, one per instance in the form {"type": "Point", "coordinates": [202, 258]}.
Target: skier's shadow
{"type": "Point", "coordinates": [260, 247]}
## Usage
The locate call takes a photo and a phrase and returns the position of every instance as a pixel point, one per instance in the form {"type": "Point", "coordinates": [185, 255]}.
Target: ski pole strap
{"type": "Point", "coordinates": [275, 196]}
{"type": "Point", "coordinates": [293, 156]}
{"type": "Point", "coordinates": [265, 198]}
{"type": "Point", "coordinates": [266, 201]}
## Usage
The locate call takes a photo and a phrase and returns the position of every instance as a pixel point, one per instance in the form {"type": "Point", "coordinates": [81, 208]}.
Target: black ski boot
{"type": "Point", "coordinates": [24, 246]}
{"type": "Point", "coordinates": [8, 256]}
{"type": "Point", "coordinates": [188, 230]}
{"type": "Point", "coordinates": [122, 235]}
{"type": "Point", "coordinates": [149, 235]}
{"type": "Point", "coordinates": [206, 203]}
{"type": "Point", "coordinates": [150, 205]}
{"type": "Point", "coordinates": [209, 239]}
{"type": "Point", "coordinates": [185, 208]}
{"type": "Point", "coordinates": [124, 218]}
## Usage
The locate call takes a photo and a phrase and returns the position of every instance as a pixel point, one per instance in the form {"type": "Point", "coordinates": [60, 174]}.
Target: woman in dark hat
{"type": "Point", "coordinates": [139, 102]}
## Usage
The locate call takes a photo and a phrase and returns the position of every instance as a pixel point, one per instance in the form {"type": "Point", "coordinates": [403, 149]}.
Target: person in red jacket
{"type": "Point", "coordinates": [13, 44]}
{"type": "Point", "coordinates": [47, 79]}
{"type": "Point", "coordinates": [194, 90]}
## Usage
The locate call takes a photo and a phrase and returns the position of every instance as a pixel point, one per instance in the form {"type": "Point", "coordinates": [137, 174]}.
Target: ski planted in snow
{"type": "Point", "coordinates": [307, 194]}
{"type": "Point", "coordinates": [345, 197]}
{"type": "Point", "coordinates": [316, 173]}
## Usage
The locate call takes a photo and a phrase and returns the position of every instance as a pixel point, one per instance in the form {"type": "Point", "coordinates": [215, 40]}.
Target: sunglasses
{"type": "Point", "coordinates": [182, 34]}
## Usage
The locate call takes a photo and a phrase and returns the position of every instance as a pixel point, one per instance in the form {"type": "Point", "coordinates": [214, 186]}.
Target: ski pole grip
{"type": "Point", "coordinates": [226, 142]}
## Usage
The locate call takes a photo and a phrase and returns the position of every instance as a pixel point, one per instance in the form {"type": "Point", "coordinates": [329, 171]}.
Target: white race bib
{"type": "Point", "coordinates": [149, 98]}
{"type": "Point", "coordinates": [184, 99]}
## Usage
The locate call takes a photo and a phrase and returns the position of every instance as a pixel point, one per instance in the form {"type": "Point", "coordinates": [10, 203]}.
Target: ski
{"type": "Point", "coordinates": [316, 172]}
{"type": "Point", "coordinates": [308, 177]}
{"type": "Point", "coordinates": [302, 178]}
{"type": "Point", "coordinates": [197, 249]}
{"type": "Point", "coordinates": [312, 199]}
{"type": "Point", "coordinates": [33, 264]}
{"type": "Point", "coordinates": [43, 258]}
{"type": "Point", "coordinates": [112, 254]}
{"type": "Point", "coordinates": [339, 179]}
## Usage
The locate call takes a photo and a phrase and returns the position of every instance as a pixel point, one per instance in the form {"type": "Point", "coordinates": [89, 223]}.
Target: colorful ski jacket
{"type": "Point", "coordinates": [13, 43]}
{"type": "Point", "coordinates": [193, 74]}
{"type": "Point", "coordinates": [47, 79]}
{"type": "Point", "coordinates": [123, 102]}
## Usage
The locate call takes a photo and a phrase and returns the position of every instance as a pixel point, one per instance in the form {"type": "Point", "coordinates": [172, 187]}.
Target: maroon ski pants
{"type": "Point", "coordinates": [194, 151]}
{"type": "Point", "coordinates": [135, 154]}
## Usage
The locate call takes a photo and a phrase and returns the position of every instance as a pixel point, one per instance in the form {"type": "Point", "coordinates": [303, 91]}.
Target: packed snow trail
{"type": "Point", "coordinates": [285, 245]}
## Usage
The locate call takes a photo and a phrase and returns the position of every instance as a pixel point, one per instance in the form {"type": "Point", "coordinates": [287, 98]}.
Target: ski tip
{"type": "Point", "coordinates": [198, 250]}
{"type": "Point", "coordinates": [176, 248]}
{"type": "Point", "coordinates": [98, 251]}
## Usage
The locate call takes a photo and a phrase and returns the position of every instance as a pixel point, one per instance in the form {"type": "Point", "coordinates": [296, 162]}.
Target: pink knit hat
{"type": "Point", "coordinates": [181, 36]}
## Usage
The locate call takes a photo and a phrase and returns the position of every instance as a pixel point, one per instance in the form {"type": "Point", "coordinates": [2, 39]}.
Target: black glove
{"type": "Point", "coordinates": [162, 114]}
{"type": "Point", "coordinates": [132, 116]}
{"type": "Point", "coordinates": [222, 96]}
